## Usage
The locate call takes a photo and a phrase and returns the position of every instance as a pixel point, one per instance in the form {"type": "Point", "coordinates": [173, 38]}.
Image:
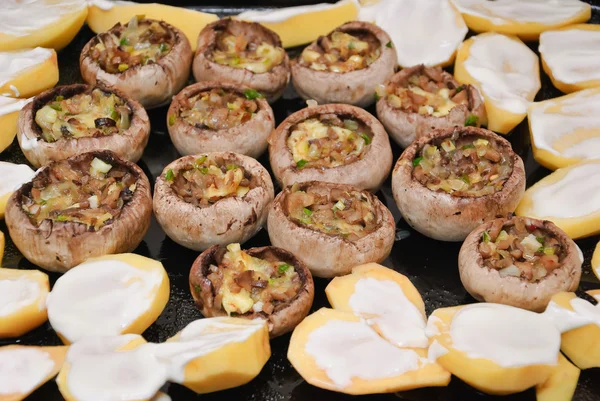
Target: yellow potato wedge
{"type": "Point", "coordinates": [31, 72]}
{"type": "Point", "coordinates": [561, 384]}
{"type": "Point", "coordinates": [9, 113]}
{"type": "Point", "coordinates": [23, 301]}
{"type": "Point", "coordinates": [596, 261]}
{"type": "Point", "coordinates": [26, 368]}
{"type": "Point", "coordinates": [1, 247]}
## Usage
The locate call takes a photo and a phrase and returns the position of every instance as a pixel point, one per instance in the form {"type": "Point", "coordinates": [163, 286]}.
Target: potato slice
{"type": "Point", "coordinates": [569, 197]}
{"type": "Point", "coordinates": [122, 367]}
{"type": "Point", "coordinates": [22, 301]}
{"type": "Point", "coordinates": [84, 300]}
{"type": "Point", "coordinates": [103, 15]}
{"type": "Point", "coordinates": [579, 344]}
{"type": "Point", "coordinates": [596, 261]}
{"type": "Point", "coordinates": [523, 18]}
{"type": "Point", "coordinates": [1, 247]}
{"type": "Point", "coordinates": [386, 299]}
{"type": "Point", "coordinates": [214, 354]}
{"type": "Point", "coordinates": [303, 24]}
{"type": "Point", "coordinates": [28, 72]}
{"type": "Point", "coordinates": [495, 348]}
{"type": "Point", "coordinates": [505, 71]}
{"type": "Point", "coordinates": [561, 384]}
{"type": "Point", "coordinates": [9, 113]}
{"type": "Point", "coordinates": [569, 57]}
{"type": "Point", "coordinates": [566, 130]}
{"type": "Point", "coordinates": [42, 23]}
{"type": "Point", "coordinates": [23, 369]}
{"type": "Point", "coordinates": [336, 351]}
{"type": "Point", "coordinates": [416, 42]}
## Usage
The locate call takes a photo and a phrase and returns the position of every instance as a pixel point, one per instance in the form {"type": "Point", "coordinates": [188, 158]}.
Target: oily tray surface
{"type": "Point", "coordinates": [431, 265]}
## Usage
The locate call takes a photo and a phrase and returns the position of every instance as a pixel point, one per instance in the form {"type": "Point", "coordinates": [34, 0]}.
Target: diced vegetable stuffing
{"type": "Point", "coordinates": [140, 42]}
{"type": "Point", "coordinates": [208, 180]}
{"type": "Point", "coordinates": [521, 248]}
{"type": "Point", "coordinates": [328, 141]}
{"type": "Point", "coordinates": [244, 284]}
{"type": "Point", "coordinates": [342, 52]}
{"type": "Point", "coordinates": [92, 192]}
{"type": "Point", "coordinates": [87, 114]}
{"type": "Point", "coordinates": [218, 109]}
{"type": "Point", "coordinates": [462, 165]}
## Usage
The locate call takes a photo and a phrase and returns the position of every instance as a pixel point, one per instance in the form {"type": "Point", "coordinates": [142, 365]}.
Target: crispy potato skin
{"type": "Point", "coordinates": [228, 220]}
{"type": "Point", "coordinates": [367, 173]}
{"type": "Point", "coordinates": [249, 138]}
{"type": "Point", "coordinates": [128, 145]}
{"type": "Point", "coordinates": [60, 246]}
{"type": "Point", "coordinates": [405, 127]}
{"type": "Point", "coordinates": [486, 285]}
{"type": "Point", "coordinates": [279, 322]}
{"type": "Point", "coordinates": [152, 85]}
{"type": "Point", "coordinates": [354, 87]}
{"type": "Point", "coordinates": [445, 217]}
{"type": "Point", "coordinates": [271, 84]}
{"type": "Point", "coordinates": [327, 255]}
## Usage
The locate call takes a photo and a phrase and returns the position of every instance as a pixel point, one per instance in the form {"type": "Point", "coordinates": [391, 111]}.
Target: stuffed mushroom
{"type": "Point", "coordinates": [346, 65]}
{"type": "Point", "coordinates": [219, 117]}
{"type": "Point", "coordinates": [448, 182]}
{"type": "Point", "coordinates": [334, 143]}
{"type": "Point", "coordinates": [419, 99]}
{"type": "Point", "coordinates": [331, 227]}
{"type": "Point", "coordinates": [519, 261]}
{"type": "Point", "coordinates": [244, 53]}
{"type": "Point", "coordinates": [265, 283]}
{"type": "Point", "coordinates": [73, 119]}
{"type": "Point", "coordinates": [212, 199]}
{"type": "Point", "coordinates": [88, 205]}
{"type": "Point", "coordinates": [145, 59]}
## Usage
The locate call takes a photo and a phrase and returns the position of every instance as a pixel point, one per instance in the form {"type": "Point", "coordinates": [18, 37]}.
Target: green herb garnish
{"type": "Point", "coordinates": [203, 170]}
{"type": "Point", "coordinates": [460, 89]}
{"type": "Point", "coordinates": [169, 176]}
{"type": "Point", "coordinates": [123, 67]}
{"type": "Point", "coordinates": [124, 42]}
{"type": "Point", "coordinates": [56, 107]}
{"type": "Point", "coordinates": [60, 217]}
{"type": "Point", "coordinates": [252, 94]}
{"type": "Point", "coordinates": [282, 268]}
{"type": "Point", "coordinates": [307, 212]}
{"type": "Point", "coordinates": [59, 98]}
{"type": "Point", "coordinates": [486, 236]}
{"type": "Point", "coordinates": [389, 44]}
{"type": "Point", "coordinates": [198, 289]}
{"type": "Point", "coordinates": [231, 167]}
{"type": "Point", "coordinates": [377, 97]}
{"type": "Point", "coordinates": [469, 146]}
{"type": "Point", "coordinates": [300, 163]}
{"type": "Point", "coordinates": [471, 121]}
{"type": "Point", "coordinates": [465, 178]}
{"type": "Point", "coordinates": [163, 47]}
{"type": "Point", "coordinates": [366, 137]}
{"type": "Point", "coordinates": [172, 119]}
{"type": "Point", "coordinates": [200, 160]}
{"type": "Point", "coordinates": [540, 240]}
{"type": "Point", "coordinates": [417, 161]}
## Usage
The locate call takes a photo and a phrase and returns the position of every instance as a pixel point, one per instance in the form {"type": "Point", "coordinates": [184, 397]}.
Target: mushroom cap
{"type": "Point", "coordinates": [329, 255]}
{"type": "Point", "coordinates": [271, 84]}
{"type": "Point", "coordinates": [367, 173]}
{"type": "Point", "coordinates": [128, 145]}
{"type": "Point", "coordinates": [228, 220]}
{"type": "Point", "coordinates": [153, 84]}
{"type": "Point", "coordinates": [279, 322]}
{"type": "Point", "coordinates": [59, 246]}
{"type": "Point", "coordinates": [445, 217]}
{"type": "Point", "coordinates": [249, 138]}
{"type": "Point", "coordinates": [354, 87]}
{"type": "Point", "coordinates": [486, 284]}
{"type": "Point", "coordinates": [404, 127]}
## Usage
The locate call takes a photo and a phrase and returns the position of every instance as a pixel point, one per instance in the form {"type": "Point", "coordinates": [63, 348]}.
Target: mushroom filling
{"type": "Point", "coordinates": [462, 166]}
{"type": "Point", "coordinates": [217, 109]}
{"type": "Point", "coordinates": [348, 214]}
{"type": "Point", "coordinates": [425, 92]}
{"type": "Point", "coordinates": [209, 180]}
{"type": "Point", "coordinates": [86, 114]}
{"type": "Point", "coordinates": [246, 51]}
{"type": "Point", "coordinates": [521, 249]}
{"type": "Point", "coordinates": [140, 42]}
{"type": "Point", "coordinates": [328, 141]}
{"type": "Point", "coordinates": [91, 192]}
{"type": "Point", "coordinates": [247, 284]}
{"type": "Point", "coordinates": [342, 52]}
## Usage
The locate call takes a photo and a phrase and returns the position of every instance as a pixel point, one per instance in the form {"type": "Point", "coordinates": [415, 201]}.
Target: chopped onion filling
{"type": "Point", "coordinates": [521, 248]}
{"type": "Point", "coordinates": [91, 192]}
{"type": "Point", "coordinates": [140, 42]}
{"type": "Point", "coordinates": [426, 92]}
{"type": "Point", "coordinates": [208, 180]}
{"type": "Point", "coordinates": [246, 284]}
{"type": "Point", "coordinates": [218, 109]}
{"type": "Point", "coordinates": [342, 52]}
{"type": "Point", "coordinates": [328, 141]}
{"type": "Point", "coordinates": [86, 114]}
{"type": "Point", "coordinates": [347, 214]}
{"type": "Point", "coordinates": [462, 166]}
{"type": "Point", "coordinates": [246, 51]}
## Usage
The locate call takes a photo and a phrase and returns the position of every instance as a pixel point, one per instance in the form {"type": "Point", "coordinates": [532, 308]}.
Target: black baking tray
{"type": "Point", "coordinates": [430, 265]}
